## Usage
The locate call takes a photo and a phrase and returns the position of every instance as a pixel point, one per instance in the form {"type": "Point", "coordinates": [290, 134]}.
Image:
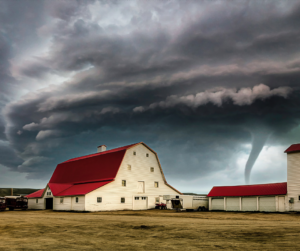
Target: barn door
{"type": "Point", "coordinates": [141, 187]}
{"type": "Point", "coordinates": [267, 204]}
{"type": "Point", "coordinates": [281, 204]}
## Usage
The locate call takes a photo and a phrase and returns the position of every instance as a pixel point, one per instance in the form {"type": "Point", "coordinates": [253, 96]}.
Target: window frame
{"type": "Point", "coordinates": [128, 167]}
{"type": "Point", "coordinates": [147, 154]}
{"type": "Point", "coordinates": [134, 153]}
{"type": "Point", "coordinates": [156, 182]}
{"type": "Point", "coordinates": [123, 183]}
{"type": "Point", "coordinates": [36, 201]}
{"type": "Point", "coordinates": [152, 169]}
{"type": "Point", "coordinates": [76, 199]}
{"type": "Point", "coordinates": [136, 198]}
{"type": "Point", "coordinates": [122, 200]}
{"type": "Point", "coordinates": [61, 201]}
{"type": "Point", "coordinates": [99, 198]}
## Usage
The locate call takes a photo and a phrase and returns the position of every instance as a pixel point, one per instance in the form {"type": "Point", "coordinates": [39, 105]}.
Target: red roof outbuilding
{"type": "Point", "coordinates": [249, 190]}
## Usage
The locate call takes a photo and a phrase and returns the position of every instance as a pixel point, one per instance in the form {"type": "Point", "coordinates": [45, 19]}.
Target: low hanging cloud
{"type": "Point", "coordinates": [217, 96]}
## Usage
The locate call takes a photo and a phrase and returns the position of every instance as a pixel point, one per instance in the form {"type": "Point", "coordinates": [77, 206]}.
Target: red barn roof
{"type": "Point", "coordinates": [293, 148]}
{"type": "Point", "coordinates": [36, 194]}
{"type": "Point", "coordinates": [249, 190]}
{"type": "Point", "coordinates": [79, 176]}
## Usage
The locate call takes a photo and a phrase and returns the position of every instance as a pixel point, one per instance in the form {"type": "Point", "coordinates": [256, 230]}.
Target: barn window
{"type": "Point", "coordinates": [136, 198]}
{"type": "Point", "coordinates": [152, 169]}
{"type": "Point", "coordinates": [99, 199]}
{"type": "Point", "coordinates": [147, 154]}
{"type": "Point", "coordinates": [129, 167]}
{"type": "Point", "coordinates": [122, 200]}
{"type": "Point", "coordinates": [155, 183]}
{"type": "Point", "coordinates": [157, 200]}
{"type": "Point", "coordinates": [134, 153]}
{"type": "Point", "coordinates": [37, 201]}
{"type": "Point", "coordinates": [76, 199]}
{"type": "Point", "coordinates": [61, 200]}
{"type": "Point", "coordinates": [144, 198]}
{"type": "Point", "coordinates": [124, 183]}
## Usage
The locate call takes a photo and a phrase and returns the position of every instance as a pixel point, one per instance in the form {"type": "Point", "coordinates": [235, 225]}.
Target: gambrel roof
{"type": "Point", "coordinates": [81, 175]}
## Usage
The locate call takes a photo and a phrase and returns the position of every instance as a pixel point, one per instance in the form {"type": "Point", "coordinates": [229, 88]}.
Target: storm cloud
{"type": "Point", "coordinates": [198, 81]}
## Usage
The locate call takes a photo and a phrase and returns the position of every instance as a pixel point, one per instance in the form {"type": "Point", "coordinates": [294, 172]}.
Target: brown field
{"type": "Point", "coordinates": [148, 230]}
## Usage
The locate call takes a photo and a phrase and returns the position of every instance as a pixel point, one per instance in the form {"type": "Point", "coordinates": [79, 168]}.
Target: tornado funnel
{"type": "Point", "coordinates": [258, 142]}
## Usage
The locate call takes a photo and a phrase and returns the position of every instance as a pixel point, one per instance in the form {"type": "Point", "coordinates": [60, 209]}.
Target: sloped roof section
{"type": "Point", "coordinates": [293, 148]}
{"type": "Point", "coordinates": [37, 194]}
{"type": "Point", "coordinates": [249, 190]}
{"type": "Point", "coordinates": [82, 189]}
{"type": "Point", "coordinates": [97, 168]}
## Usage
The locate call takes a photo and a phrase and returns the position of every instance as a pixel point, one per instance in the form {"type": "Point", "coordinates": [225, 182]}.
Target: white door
{"type": "Point", "coordinates": [217, 204]}
{"type": "Point", "coordinates": [249, 204]}
{"type": "Point", "coordinates": [140, 203]}
{"type": "Point", "coordinates": [281, 204]}
{"type": "Point", "coordinates": [267, 204]}
{"type": "Point", "coordinates": [233, 204]}
{"type": "Point", "coordinates": [141, 187]}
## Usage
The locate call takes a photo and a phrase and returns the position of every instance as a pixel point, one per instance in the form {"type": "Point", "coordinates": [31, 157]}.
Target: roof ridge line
{"type": "Point", "coordinates": [252, 184]}
{"type": "Point", "coordinates": [95, 181]}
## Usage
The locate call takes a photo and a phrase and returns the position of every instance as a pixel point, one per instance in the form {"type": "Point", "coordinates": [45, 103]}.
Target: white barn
{"type": "Point", "coordinates": [125, 178]}
{"type": "Point", "coordinates": [275, 197]}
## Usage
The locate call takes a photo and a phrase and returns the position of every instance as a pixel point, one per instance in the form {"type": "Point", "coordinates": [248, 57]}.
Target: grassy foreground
{"type": "Point", "coordinates": [148, 230]}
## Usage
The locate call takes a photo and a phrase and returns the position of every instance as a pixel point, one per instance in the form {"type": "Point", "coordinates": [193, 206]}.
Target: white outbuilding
{"type": "Point", "coordinates": [124, 178]}
{"type": "Point", "coordinates": [275, 197]}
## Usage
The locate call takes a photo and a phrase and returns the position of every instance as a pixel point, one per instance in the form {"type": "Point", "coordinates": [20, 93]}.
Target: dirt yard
{"type": "Point", "coordinates": [148, 230]}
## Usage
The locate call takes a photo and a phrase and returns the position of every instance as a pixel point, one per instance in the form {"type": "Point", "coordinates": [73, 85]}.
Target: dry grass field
{"type": "Point", "coordinates": [148, 230]}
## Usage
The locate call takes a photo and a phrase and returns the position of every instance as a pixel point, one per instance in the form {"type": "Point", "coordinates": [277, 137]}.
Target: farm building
{"type": "Point", "coordinates": [125, 178]}
{"type": "Point", "coordinates": [276, 197]}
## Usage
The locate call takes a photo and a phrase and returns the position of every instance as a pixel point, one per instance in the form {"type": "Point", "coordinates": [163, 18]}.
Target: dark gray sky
{"type": "Point", "coordinates": [197, 81]}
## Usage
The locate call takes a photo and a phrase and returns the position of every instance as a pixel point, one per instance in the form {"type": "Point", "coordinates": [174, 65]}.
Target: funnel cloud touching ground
{"type": "Point", "coordinates": [195, 80]}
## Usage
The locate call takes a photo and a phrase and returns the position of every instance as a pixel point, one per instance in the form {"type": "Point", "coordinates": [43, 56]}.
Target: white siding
{"type": "Point", "coordinates": [66, 205]}
{"type": "Point", "coordinates": [233, 204]}
{"type": "Point", "coordinates": [140, 171]}
{"type": "Point", "coordinates": [217, 204]}
{"type": "Point", "coordinates": [48, 191]}
{"type": "Point", "coordinates": [78, 206]}
{"type": "Point", "coordinates": [249, 204]}
{"type": "Point", "coordinates": [281, 203]}
{"type": "Point", "coordinates": [267, 204]}
{"type": "Point", "coordinates": [293, 184]}
{"type": "Point", "coordinates": [33, 205]}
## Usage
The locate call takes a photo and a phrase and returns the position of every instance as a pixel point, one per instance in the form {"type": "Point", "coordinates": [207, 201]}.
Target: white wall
{"type": "Point", "coordinates": [256, 204]}
{"type": "Point", "coordinates": [293, 181]}
{"type": "Point", "coordinates": [66, 205]}
{"type": "Point", "coordinates": [140, 171]}
{"type": "Point", "coordinates": [69, 203]}
{"type": "Point", "coordinates": [33, 205]}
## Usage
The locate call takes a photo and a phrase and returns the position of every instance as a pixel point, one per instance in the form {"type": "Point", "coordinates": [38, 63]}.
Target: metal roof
{"type": "Point", "coordinates": [249, 190]}
{"type": "Point", "coordinates": [36, 194]}
{"type": "Point", "coordinates": [293, 148]}
{"type": "Point", "coordinates": [79, 176]}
